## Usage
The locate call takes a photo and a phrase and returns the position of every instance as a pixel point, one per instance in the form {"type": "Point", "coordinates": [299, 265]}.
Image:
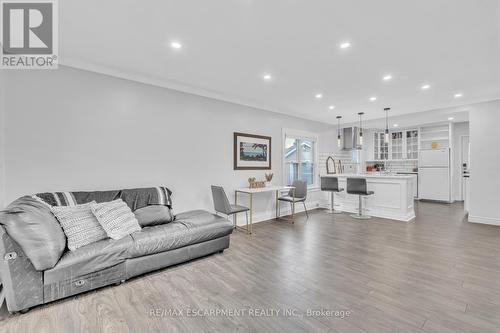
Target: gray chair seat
{"type": "Point", "coordinates": [238, 209]}
{"type": "Point", "coordinates": [291, 199]}
{"type": "Point", "coordinates": [361, 192]}
{"type": "Point", "coordinates": [188, 228]}
{"type": "Point", "coordinates": [89, 258]}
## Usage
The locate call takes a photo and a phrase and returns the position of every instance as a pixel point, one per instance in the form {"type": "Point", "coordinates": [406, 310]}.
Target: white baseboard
{"type": "Point", "coordinates": [484, 220]}
{"type": "Point", "coordinates": [269, 215]}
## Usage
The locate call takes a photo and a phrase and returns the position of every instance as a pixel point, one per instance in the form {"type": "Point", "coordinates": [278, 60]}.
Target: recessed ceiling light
{"type": "Point", "coordinates": [425, 86]}
{"type": "Point", "coordinates": [457, 95]}
{"type": "Point", "coordinates": [345, 45]}
{"type": "Point", "coordinates": [267, 77]}
{"type": "Point", "coordinates": [176, 45]}
{"type": "Point", "coordinates": [331, 107]}
{"type": "Point", "coordinates": [451, 118]}
{"type": "Point", "coordinates": [395, 125]}
{"type": "Point", "coordinates": [319, 96]}
{"type": "Point", "coordinates": [373, 99]}
{"type": "Point", "coordinates": [387, 77]}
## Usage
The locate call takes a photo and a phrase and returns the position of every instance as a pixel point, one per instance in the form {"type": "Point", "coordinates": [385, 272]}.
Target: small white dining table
{"type": "Point", "coordinates": [251, 191]}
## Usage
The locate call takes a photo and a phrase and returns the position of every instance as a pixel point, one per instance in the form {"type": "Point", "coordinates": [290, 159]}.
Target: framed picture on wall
{"type": "Point", "coordinates": [252, 152]}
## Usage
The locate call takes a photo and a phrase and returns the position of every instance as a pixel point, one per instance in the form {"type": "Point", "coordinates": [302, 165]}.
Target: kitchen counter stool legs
{"type": "Point", "coordinates": [357, 186]}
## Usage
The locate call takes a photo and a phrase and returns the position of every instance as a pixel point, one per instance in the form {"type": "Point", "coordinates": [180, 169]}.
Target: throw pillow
{"type": "Point", "coordinates": [116, 218]}
{"type": "Point", "coordinates": [153, 215]}
{"type": "Point", "coordinates": [79, 224]}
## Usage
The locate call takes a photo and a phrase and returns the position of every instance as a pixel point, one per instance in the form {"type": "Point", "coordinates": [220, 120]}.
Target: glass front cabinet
{"type": "Point", "coordinates": [403, 144]}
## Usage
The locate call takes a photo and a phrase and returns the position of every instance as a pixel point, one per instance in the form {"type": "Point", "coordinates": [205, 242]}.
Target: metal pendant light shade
{"type": "Point", "coordinates": [339, 138]}
{"type": "Point", "coordinates": [360, 128]}
{"type": "Point", "coordinates": [386, 134]}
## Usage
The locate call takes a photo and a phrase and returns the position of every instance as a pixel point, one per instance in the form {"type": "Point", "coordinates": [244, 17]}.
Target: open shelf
{"type": "Point", "coordinates": [439, 134]}
{"type": "Point", "coordinates": [435, 139]}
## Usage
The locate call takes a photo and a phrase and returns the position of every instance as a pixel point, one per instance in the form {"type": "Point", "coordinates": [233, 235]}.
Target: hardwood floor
{"type": "Point", "coordinates": [438, 274]}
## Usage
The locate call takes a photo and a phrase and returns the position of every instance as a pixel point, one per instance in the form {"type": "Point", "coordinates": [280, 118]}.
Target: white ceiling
{"type": "Point", "coordinates": [229, 44]}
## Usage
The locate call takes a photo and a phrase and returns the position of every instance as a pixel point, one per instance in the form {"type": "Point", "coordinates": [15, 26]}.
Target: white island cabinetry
{"type": "Point", "coordinates": [393, 197]}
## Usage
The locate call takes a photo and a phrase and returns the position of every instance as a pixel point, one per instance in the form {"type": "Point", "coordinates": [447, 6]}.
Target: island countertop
{"type": "Point", "coordinates": [369, 175]}
{"type": "Point", "coordinates": [392, 197]}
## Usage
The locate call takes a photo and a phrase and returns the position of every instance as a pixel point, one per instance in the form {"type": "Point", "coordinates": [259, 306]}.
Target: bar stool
{"type": "Point", "coordinates": [331, 184]}
{"type": "Point", "coordinates": [357, 186]}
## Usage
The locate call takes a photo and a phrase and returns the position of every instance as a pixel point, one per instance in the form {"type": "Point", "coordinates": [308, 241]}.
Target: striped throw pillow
{"type": "Point", "coordinates": [116, 218]}
{"type": "Point", "coordinates": [79, 225]}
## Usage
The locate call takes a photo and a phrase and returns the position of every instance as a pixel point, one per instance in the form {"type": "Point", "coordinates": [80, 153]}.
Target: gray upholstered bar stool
{"type": "Point", "coordinates": [357, 186]}
{"type": "Point", "coordinates": [331, 184]}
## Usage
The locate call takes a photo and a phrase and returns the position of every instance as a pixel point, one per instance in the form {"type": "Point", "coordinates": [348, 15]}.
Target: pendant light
{"type": "Point", "coordinates": [386, 135]}
{"type": "Point", "coordinates": [360, 129]}
{"type": "Point", "coordinates": [338, 131]}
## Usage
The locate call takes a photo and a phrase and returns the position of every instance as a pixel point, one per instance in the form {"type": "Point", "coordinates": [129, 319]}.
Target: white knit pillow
{"type": "Point", "coordinates": [79, 224]}
{"type": "Point", "coordinates": [116, 218]}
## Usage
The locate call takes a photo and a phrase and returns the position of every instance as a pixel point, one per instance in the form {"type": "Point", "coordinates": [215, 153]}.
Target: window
{"type": "Point", "coordinates": [299, 158]}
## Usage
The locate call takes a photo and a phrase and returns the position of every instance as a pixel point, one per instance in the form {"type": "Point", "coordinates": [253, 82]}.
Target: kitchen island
{"type": "Point", "coordinates": [393, 197]}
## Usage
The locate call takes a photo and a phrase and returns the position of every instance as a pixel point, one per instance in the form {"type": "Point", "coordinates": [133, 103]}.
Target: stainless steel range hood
{"type": "Point", "coordinates": [350, 138]}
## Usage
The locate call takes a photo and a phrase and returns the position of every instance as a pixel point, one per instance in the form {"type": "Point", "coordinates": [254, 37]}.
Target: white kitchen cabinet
{"type": "Point", "coordinates": [412, 144]}
{"type": "Point", "coordinates": [402, 145]}
{"type": "Point", "coordinates": [397, 145]}
{"type": "Point", "coordinates": [414, 180]}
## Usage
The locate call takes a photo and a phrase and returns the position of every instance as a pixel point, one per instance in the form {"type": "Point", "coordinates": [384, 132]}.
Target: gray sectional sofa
{"type": "Point", "coordinates": [37, 268]}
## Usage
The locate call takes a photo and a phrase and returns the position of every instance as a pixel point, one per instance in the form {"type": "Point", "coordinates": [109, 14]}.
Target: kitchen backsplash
{"type": "Point", "coordinates": [345, 157]}
{"type": "Point", "coordinates": [396, 166]}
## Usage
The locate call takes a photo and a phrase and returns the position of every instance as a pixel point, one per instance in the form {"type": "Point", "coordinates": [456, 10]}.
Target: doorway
{"type": "Point", "coordinates": [464, 161]}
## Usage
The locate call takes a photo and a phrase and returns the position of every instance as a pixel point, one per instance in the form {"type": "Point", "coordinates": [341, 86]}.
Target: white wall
{"type": "Point", "coordinates": [2, 132]}
{"type": "Point", "coordinates": [75, 130]}
{"type": "Point", "coordinates": [485, 161]}
{"type": "Point", "coordinates": [459, 130]}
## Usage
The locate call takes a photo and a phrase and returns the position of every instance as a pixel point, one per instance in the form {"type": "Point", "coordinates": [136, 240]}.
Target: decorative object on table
{"type": "Point", "coordinates": [256, 183]}
{"type": "Point", "coordinates": [269, 177]}
{"type": "Point", "coordinates": [330, 165]}
{"type": "Point", "coordinates": [252, 152]}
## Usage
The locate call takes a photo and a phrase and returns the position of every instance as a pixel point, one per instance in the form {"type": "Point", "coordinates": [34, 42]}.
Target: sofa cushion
{"type": "Point", "coordinates": [153, 215]}
{"type": "Point", "coordinates": [116, 218]}
{"type": "Point", "coordinates": [90, 258]}
{"type": "Point", "coordinates": [32, 225]}
{"type": "Point", "coordinates": [80, 225]}
{"type": "Point", "coordinates": [187, 228]}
